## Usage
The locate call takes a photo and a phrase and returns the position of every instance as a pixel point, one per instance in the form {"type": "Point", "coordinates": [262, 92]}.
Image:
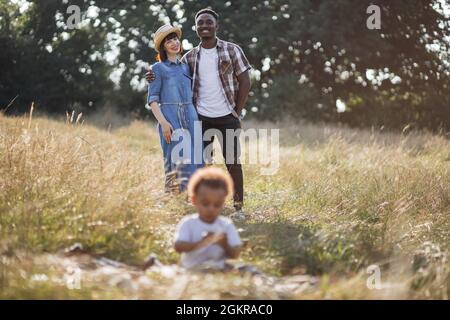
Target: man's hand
{"type": "Point", "coordinates": [239, 113]}
{"type": "Point", "coordinates": [150, 75]}
{"type": "Point", "coordinates": [244, 89]}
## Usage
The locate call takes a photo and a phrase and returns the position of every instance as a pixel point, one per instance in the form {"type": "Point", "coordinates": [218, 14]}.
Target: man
{"type": "Point", "coordinates": [221, 84]}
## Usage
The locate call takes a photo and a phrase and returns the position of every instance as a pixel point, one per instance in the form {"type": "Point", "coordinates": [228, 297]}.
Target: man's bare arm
{"type": "Point", "coordinates": [244, 90]}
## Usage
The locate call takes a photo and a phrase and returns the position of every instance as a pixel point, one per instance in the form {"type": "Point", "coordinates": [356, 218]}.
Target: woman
{"type": "Point", "coordinates": [170, 99]}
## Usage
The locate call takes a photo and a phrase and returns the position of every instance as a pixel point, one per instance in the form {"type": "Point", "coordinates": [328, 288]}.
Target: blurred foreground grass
{"type": "Point", "coordinates": [342, 200]}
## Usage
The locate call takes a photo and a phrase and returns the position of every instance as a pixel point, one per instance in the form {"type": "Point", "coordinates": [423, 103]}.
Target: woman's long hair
{"type": "Point", "coordinates": [162, 55]}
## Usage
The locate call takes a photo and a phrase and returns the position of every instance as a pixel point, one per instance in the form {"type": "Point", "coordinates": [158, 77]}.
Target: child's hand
{"type": "Point", "coordinates": [218, 238]}
{"type": "Point", "coordinates": [208, 239]}
{"type": "Point", "coordinates": [222, 240]}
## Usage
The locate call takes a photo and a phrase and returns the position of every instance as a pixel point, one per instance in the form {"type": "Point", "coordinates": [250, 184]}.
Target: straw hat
{"type": "Point", "coordinates": [163, 32]}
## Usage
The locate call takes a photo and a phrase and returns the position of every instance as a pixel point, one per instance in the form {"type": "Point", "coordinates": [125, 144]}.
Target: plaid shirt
{"type": "Point", "coordinates": [232, 62]}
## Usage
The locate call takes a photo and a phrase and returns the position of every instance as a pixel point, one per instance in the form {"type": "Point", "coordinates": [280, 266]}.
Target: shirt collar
{"type": "Point", "coordinates": [169, 63]}
{"type": "Point", "coordinates": [219, 44]}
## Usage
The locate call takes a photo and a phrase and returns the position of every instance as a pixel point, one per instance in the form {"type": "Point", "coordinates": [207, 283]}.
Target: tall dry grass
{"type": "Point", "coordinates": [342, 200]}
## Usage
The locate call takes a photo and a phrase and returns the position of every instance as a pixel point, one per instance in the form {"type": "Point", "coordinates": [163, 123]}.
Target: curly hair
{"type": "Point", "coordinates": [210, 177]}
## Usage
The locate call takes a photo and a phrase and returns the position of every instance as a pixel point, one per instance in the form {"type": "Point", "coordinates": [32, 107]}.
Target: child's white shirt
{"type": "Point", "coordinates": [192, 229]}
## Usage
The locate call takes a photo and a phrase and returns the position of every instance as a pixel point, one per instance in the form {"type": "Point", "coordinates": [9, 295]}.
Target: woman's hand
{"type": "Point", "coordinates": [167, 130]}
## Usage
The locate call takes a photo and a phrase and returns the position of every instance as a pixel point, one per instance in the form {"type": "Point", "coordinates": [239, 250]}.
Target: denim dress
{"type": "Point", "coordinates": [172, 89]}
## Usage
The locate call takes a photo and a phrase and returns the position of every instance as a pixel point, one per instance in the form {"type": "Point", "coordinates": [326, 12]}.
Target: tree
{"type": "Point", "coordinates": [48, 63]}
{"type": "Point", "coordinates": [306, 55]}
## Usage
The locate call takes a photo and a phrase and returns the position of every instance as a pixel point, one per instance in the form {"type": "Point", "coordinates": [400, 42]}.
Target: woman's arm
{"type": "Point", "coordinates": [166, 127]}
{"type": "Point", "coordinates": [156, 110]}
{"type": "Point", "coordinates": [154, 87]}
{"type": "Point", "coordinates": [154, 90]}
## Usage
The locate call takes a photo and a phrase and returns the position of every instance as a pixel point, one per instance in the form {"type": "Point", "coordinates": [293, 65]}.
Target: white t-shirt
{"type": "Point", "coordinates": [193, 229]}
{"type": "Point", "coordinates": [211, 99]}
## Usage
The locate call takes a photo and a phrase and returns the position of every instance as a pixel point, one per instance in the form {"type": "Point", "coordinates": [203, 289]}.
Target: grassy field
{"type": "Point", "coordinates": [341, 201]}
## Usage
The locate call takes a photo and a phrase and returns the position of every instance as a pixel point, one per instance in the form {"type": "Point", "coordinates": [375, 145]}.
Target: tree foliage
{"type": "Point", "coordinates": [306, 55]}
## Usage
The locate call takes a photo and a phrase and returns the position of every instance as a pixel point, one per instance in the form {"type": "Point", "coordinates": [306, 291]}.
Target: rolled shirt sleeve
{"type": "Point", "coordinates": [240, 61]}
{"type": "Point", "coordinates": [154, 87]}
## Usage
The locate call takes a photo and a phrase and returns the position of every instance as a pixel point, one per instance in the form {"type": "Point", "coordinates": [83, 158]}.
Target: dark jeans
{"type": "Point", "coordinates": [231, 153]}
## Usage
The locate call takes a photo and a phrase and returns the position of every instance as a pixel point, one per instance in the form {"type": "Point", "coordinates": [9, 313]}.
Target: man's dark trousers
{"type": "Point", "coordinates": [233, 163]}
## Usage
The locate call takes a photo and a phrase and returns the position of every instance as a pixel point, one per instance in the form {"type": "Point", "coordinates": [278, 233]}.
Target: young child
{"type": "Point", "coordinates": [206, 239]}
